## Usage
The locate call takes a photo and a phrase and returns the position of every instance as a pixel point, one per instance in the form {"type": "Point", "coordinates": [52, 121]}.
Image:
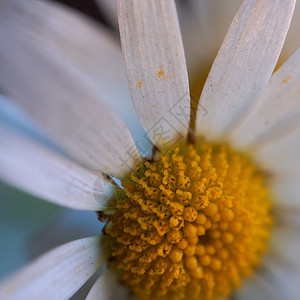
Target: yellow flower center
{"type": "Point", "coordinates": [191, 224]}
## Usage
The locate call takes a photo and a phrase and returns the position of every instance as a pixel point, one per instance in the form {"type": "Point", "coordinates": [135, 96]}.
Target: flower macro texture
{"type": "Point", "coordinates": [201, 204]}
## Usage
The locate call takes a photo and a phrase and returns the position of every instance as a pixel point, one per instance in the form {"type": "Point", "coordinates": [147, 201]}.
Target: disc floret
{"type": "Point", "coordinates": [192, 223]}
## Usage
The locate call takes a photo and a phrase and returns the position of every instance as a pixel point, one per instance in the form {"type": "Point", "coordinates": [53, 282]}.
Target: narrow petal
{"type": "Point", "coordinates": [103, 287]}
{"type": "Point", "coordinates": [156, 67]}
{"type": "Point", "coordinates": [65, 104]}
{"type": "Point", "coordinates": [46, 174]}
{"type": "Point", "coordinates": [244, 63]}
{"type": "Point", "coordinates": [276, 112]}
{"type": "Point", "coordinates": [57, 274]}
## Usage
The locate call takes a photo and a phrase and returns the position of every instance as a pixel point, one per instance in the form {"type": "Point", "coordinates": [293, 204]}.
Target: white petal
{"type": "Point", "coordinates": [65, 103]}
{"type": "Point", "coordinates": [109, 8]}
{"type": "Point", "coordinates": [89, 47]}
{"type": "Point", "coordinates": [277, 111]}
{"type": "Point", "coordinates": [284, 279]}
{"type": "Point", "coordinates": [258, 288]}
{"type": "Point", "coordinates": [103, 287]}
{"type": "Point", "coordinates": [285, 190]}
{"type": "Point", "coordinates": [57, 274]}
{"type": "Point", "coordinates": [285, 244]}
{"type": "Point", "coordinates": [281, 155]}
{"type": "Point", "coordinates": [286, 216]}
{"type": "Point", "coordinates": [49, 175]}
{"type": "Point", "coordinates": [156, 67]}
{"type": "Point", "coordinates": [244, 63]}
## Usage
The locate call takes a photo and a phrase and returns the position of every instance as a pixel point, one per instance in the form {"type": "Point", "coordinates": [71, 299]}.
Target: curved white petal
{"type": "Point", "coordinates": [257, 287]}
{"type": "Point", "coordinates": [284, 279]}
{"type": "Point", "coordinates": [288, 216]}
{"type": "Point", "coordinates": [156, 67]}
{"type": "Point", "coordinates": [57, 274]}
{"type": "Point", "coordinates": [65, 104]}
{"type": "Point", "coordinates": [285, 243]}
{"type": "Point", "coordinates": [104, 287]}
{"type": "Point", "coordinates": [244, 63]}
{"type": "Point", "coordinates": [281, 155]}
{"type": "Point", "coordinates": [285, 189]}
{"type": "Point", "coordinates": [49, 175]}
{"type": "Point", "coordinates": [89, 47]}
{"type": "Point", "coordinates": [276, 112]}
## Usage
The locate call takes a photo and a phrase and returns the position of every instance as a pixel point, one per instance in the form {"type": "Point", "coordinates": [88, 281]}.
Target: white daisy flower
{"type": "Point", "coordinates": [211, 207]}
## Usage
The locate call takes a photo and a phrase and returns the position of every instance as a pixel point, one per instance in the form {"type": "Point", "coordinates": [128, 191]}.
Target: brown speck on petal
{"type": "Point", "coordinates": [160, 73]}
{"type": "Point", "coordinates": [285, 80]}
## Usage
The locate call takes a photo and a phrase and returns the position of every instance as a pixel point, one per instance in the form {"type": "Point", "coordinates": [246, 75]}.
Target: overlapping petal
{"type": "Point", "coordinates": [65, 104]}
{"type": "Point", "coordinates": [57, 274]}
{"type": "Point", "coordinates": [49, 175]}
{"type": "Point", "coordinates": [88, 46]}
{"type": "Point", "coordinates": [276, 112]}
{"type": "Point", "coordinates": [244, 63]}
{"type": "Point", "coordinates": [104, 287]}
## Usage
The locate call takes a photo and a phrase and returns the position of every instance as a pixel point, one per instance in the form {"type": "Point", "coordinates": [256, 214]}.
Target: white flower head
{"type": "Point", "coordinates": [180, 218]}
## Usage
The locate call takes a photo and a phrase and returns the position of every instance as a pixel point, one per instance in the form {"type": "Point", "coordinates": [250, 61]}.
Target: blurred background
{"type": "Point", "coordinates": [88, 7]}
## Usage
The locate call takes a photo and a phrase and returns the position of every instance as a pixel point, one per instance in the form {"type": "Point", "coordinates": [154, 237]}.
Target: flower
{"type": "Point", "coordinates": [247, 130]}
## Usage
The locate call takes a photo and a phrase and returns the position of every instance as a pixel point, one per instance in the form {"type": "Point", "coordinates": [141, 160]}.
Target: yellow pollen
{"type": "Point", "coordinates": [191, 224]}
